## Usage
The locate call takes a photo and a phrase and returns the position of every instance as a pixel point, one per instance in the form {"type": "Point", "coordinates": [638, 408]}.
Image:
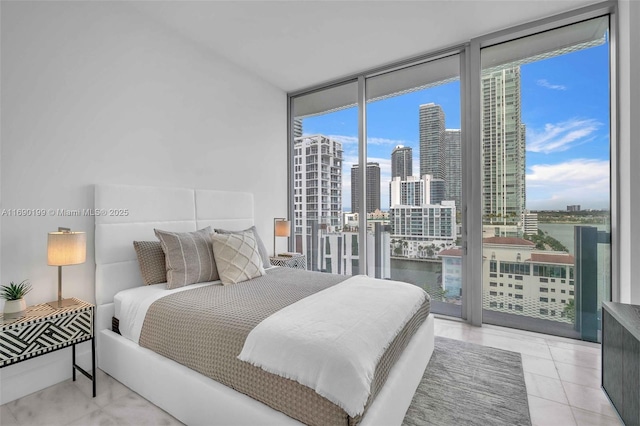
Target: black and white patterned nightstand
{"type": "Point", "coordinates": [296, 262]}
{"type": "Point", "coordinates": [44, 329]}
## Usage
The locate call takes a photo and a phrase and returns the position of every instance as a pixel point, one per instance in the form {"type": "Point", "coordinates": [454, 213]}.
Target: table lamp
{"type": "Point", "coordinates": [281, 228]}
{"type": "Point", "coordinates": [65, 248]}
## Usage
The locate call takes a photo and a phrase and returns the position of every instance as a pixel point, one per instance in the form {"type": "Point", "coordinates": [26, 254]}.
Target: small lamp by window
{"type": "Point", "coordinates": [281, 228]}
{"type": "Point", "coordinates": [65, 248]}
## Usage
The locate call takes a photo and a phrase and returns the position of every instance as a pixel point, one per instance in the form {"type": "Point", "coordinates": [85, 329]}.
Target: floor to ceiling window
{"type": "Point", "coordinates": [413, 179]}
{"type": "Point", "coordinates": [509, 224]}
{"type": "Point", "coordinates": [325, 130]}
{"type": "Point", "coordinates": [546, 186]}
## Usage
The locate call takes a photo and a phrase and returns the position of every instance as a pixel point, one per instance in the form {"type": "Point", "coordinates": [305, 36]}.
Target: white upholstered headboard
{"type": "Point", "coordinates": [173, 209]}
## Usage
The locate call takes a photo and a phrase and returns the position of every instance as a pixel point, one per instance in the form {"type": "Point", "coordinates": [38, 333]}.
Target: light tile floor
{"type": "Point", "coordinates": [562, 378]}
{"type": "Point", "coordinates": [562, 375]}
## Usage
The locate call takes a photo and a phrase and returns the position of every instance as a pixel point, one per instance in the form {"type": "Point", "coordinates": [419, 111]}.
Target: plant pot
{"type": "Point", "coordinates": [14, 309]}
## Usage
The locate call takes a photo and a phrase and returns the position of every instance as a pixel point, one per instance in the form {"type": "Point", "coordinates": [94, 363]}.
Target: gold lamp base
{"type": "Point", "coordinates": [57, 304]}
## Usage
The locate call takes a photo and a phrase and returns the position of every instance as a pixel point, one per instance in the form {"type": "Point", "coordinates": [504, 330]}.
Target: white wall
{"type": "Point", "coordinates": [629, 136]}
{"type": "Point", "coordinates": [94, 92]}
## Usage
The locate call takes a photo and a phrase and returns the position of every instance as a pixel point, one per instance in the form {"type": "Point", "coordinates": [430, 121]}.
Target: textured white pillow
{"type": "Point", "coordinates": [264, 254]}
{"type": "Point", "coordinates": [237, 257]}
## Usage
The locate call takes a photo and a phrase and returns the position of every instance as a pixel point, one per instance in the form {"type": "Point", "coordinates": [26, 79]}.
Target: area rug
{"type": "Point", "coordinates": [469, 384]}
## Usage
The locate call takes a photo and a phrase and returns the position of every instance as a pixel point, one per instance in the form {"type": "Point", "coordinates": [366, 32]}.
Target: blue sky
{"type": "Point", "coordinates": [565, 106]}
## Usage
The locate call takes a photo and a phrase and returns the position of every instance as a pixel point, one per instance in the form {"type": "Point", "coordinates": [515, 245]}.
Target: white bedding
{"type": "Point", "coordinates": [131, 305]}
{"type": "Point", "coordinates": [324, 343]}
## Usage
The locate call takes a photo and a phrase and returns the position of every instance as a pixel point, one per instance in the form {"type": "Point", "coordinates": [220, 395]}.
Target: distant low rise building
{"type": "Point", "coordinates": [501, 231]}
{"type": "Point", "coordinates": [573, 208]}
{"type": "Point", "coordinates": [517, 278]}
{"type": "Point", "coordinates": [521, 280]}
{"type": "Point", "coordinates": [530, 223]}
{"type": "Point", "coordinates": [352, 221]}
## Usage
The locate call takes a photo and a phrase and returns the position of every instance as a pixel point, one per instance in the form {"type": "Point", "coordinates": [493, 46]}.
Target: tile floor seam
{"type": "Point", "coordinates": [549, 399]}
{"type": "Point", "coordinates": [582, 408]}
{"type": "Point", "coordinates": [580, 384]}
{"type": "Point", "coordinates": [563, 388]}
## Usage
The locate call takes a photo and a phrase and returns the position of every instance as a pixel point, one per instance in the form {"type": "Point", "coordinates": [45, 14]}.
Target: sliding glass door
{"type": "Point", "coordinates": [546, 180]}
{"type": "Point", "coordinates": [413, 179]}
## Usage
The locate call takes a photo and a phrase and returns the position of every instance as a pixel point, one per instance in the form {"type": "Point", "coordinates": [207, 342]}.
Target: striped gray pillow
{"type": "Point", "coordinates": [189, 257]}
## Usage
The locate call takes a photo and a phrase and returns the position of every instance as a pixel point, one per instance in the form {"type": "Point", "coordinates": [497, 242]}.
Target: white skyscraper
{"type": "Point", "coordinates": [317, 189]}
{"type": "Point", "coordinates": [503, 148]}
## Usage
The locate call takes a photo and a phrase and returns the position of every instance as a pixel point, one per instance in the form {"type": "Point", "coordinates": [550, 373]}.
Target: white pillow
{"type": "Point", "coordinates": [237, 257]}
{"type": "Point", "coordinates": [264, 254]}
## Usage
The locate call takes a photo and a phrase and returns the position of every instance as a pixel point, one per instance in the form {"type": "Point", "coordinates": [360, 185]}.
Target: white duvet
{"type": "Point", "coordinates": [332, 341]}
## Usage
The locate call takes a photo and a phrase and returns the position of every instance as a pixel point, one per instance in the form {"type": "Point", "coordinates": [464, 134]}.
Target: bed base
{"type": "Point", "coordinates": [198, 400]}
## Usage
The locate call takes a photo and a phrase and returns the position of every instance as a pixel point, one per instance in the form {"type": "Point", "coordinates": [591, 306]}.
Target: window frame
{"type": "Point", "coordinates": [470, 100]}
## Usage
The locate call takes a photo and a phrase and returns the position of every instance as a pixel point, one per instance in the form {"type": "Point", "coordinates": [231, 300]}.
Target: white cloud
{"type": "Point", "coordinates": [544, 83]}
{"type": "Point", "coordinates": [578, 181]}
{"type": "Point", "coordinates": [346, 140]}
{"type": "Point", "coordinates": [353, 140]}
{"type": "Point", "coordinates": [390, 142]}
{"type": "Point", "coordinates": [561, 136]}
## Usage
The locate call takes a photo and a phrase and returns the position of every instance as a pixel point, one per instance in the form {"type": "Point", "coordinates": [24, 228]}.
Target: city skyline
{"type": "Point", "coordinates": [567, 130]}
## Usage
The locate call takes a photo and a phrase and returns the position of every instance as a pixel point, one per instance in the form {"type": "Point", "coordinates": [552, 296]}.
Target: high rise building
{"type": "Point", "coordinates": [503, 148]}
{"type": "Point", "coordinates": [436, 188]}
{"type": "Point", "coordinates": [408, 192]}
{"type": "Point", "coordinates": [416, 192]}
{"type": "Point", "coordinates": [432, 153]}
{"type": "Point", "coordinates": [419, 224]}
{"type": "Point", "coordinates": [373, 188]}
{"type": "Point", "coordinates": [401, 162]}
{"type": "Point", "coordinates": [297, 127]}
{"type": "Point", "coordinates": [317, 183]}
{"type": "Point", "coordinates": [453, 166]}
{"type": "Point", "coordinates": [418, 215]}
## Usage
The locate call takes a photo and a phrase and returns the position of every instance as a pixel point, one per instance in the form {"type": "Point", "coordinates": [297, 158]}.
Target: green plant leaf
{"type": "Point", "coordinates": [15, 291]}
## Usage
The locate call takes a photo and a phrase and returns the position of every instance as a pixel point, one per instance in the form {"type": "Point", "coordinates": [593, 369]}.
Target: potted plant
{"type": "Point", "coordinates": [13, 294]}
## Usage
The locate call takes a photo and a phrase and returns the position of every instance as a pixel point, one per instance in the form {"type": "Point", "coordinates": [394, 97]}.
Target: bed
{"type": "Point", "coordinates": [188, 395]}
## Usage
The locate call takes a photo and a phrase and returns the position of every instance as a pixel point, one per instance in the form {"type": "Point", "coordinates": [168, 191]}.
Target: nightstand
{"type": "Point", "coordinates": [44, 329]}
{"type": "Point", "coordinates": [296, 262]}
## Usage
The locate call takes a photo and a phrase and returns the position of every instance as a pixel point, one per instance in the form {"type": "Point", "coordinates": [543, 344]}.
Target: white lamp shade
{"type": "Point", "coordinates": [66, 248]}
{"type": "Point", "coordinates": [283, 227]}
